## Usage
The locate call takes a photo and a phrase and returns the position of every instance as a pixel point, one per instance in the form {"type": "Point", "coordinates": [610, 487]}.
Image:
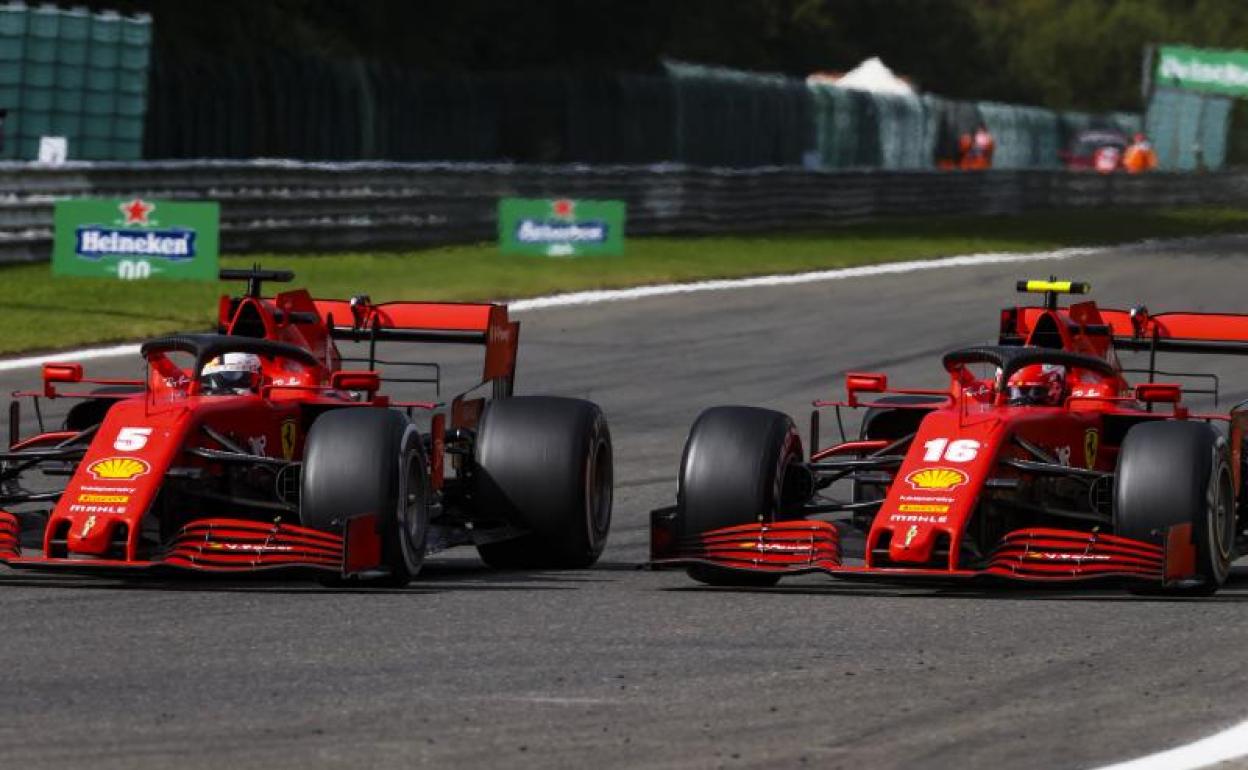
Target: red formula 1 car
{"type": "Point", "coordinates": [1046, 466]}
{"type": "Point", "coordinates": [259, 448]}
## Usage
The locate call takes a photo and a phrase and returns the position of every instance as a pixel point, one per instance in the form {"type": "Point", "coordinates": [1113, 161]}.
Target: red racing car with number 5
{"type": "Point", "coordinates": [264, 447]}
{"type": "Point", "coordinates": [1039, 462]}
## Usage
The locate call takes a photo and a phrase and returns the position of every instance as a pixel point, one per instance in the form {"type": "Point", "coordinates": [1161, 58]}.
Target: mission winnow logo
{"type": "Point", "coordinates": [98, 241]}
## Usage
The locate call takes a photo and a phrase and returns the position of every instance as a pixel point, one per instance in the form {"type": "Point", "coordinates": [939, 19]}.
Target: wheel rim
{"type": "Point", "coordinates": [598, 491]}
{"type": "Point", "coordinates": [1221, 519]}
{"type": "Point", "coordinates": [790, 453]}
{"type": "Point", "coordinates": [411, 513]}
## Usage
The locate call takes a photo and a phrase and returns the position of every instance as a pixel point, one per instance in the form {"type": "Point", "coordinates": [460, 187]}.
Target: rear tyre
{"type": "Point", "coordinates": [369, 461]}
{"type": "Point", "coordinates": [1177, 472]}
{"type": "Point", "coordinates": [545, 464]}
{"type": "Point", "coordinates": [741, 464]}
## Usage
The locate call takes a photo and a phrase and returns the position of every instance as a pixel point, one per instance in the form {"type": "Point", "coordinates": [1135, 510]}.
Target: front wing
{"type": "Point", "coordinates": [223, 546]}
{"type": "Point", "coordinates": [1035, 555]}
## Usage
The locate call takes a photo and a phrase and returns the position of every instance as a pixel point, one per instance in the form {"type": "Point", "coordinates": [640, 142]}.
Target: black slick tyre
{"type": "Point", "coordinates": [544, 464]}
{"type": "Point", "coordinates": [369, 461]}
{"type": "Point", "coordinates": [1178, 472]}
{"type": "Point", "coordinates": [740, 465]}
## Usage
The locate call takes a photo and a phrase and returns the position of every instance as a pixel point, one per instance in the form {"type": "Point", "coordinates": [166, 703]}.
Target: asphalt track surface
{"type": "Point", "coordinates": [619, 667]}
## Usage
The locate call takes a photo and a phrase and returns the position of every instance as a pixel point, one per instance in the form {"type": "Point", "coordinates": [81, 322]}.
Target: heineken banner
{"type": "Point", "coordinates": [1203, 69]}
{"type": "Point", "coordinates": [560, 228]}
{"type": "Point", "coordinates": [135, 239]}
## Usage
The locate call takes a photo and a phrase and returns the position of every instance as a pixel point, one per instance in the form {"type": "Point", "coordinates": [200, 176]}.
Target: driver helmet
{"type": "Point", "coordinates": [1037, 385]}
{"type": "Point", "coordinates": [237, 373]}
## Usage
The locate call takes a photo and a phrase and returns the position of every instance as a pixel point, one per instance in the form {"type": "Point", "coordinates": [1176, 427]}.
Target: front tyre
{"type": "Point", "coordinates": [545, 464]}
{"type": "Point", "coordinates": [1178, 472]}
{"type": "Point", "coordinates": [741, 464]}
{"type": "Point", "coordinates": [365, 461]}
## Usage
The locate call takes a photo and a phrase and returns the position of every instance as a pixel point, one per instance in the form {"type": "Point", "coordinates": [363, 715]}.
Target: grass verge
{"type": "Point", "coordinates": [42, 313]}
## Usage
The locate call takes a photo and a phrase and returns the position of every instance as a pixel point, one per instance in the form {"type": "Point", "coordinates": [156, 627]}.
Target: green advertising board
{"type": "Point", "coordinates": [560, 227]}
{"type": "Point", "coordinates": [1203, 69]}
{"type": "Point", "coordinates": [136, 239]}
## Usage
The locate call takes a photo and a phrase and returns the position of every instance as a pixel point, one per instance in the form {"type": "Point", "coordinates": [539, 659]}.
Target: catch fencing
{"type": "Point", "coordinates": [73, 74]}
{"type": "Point", "coordinates": [325, 207]}
{"type": "Point", "coordinates": [96, 80]}
{"type": "Point", "coordinates": [315, 109]}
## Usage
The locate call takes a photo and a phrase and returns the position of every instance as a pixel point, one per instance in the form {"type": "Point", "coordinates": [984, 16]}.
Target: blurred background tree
{"type": "Point", "coordinates": [1062, 54]}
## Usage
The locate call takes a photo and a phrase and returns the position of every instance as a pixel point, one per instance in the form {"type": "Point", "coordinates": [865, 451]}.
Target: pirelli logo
{"type": "Point", "coordinates": [922, 508]}
{"type": "Point", "coordinates": [121, 499]}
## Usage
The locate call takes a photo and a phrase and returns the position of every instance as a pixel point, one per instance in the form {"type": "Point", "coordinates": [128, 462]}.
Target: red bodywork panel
{"type": "Point", "coordinates": [115, 486]}
{"type": "Point", "coordinates": [935, 497]}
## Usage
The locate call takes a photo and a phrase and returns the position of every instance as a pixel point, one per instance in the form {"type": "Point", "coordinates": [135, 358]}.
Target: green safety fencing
{"type": "Point", "coordinates": [86, 77]}
{"type": "Point", "coordinates": [856, 129]}
{"type": "Point", "coordinates": [351, 110]}
{"type": "Point", "coordinates": [74, 74]}
{"type": "Point", "coordinates": [1189, 130]}
{"type": "Point", "coordinates": [320, 109]}
{"type": "Point", "coordinates": [733, 118]}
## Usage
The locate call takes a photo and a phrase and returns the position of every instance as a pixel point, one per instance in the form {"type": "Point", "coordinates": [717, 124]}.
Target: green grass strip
{"type": "Point", "coordinates": [44, 313]}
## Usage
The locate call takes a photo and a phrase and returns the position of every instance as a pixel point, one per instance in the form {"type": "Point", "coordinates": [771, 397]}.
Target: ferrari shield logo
{"type": "Point", "coordinates": [1091, 440]}
{"type": "Point", "coordinates": [289, 433]}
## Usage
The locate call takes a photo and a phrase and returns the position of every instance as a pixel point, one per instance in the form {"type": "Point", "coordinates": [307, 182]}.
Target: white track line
{"type": "Point", "coordinates": [13, 364]}
{"type": "Point", "coordinates": [1223, 747]}
{"type": "Point", "coordinates": [888, 268]}
{"type": "Point", "coordinates": [617, 295]}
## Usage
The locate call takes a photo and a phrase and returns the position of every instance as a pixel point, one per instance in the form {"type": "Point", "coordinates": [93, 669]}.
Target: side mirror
{"type": "Point", "coordinates": [369, 381]}
{"type": "Point", "coordinates": [54, 373]}
{"type": "Point", "coordinates": [860, 382]}
{"type": "Point", "coordinates": [1158, 393]}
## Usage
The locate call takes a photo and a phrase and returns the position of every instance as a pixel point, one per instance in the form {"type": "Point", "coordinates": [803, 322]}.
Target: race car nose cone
{"type": "Point", "coordinates": [91, 532]}
{"type": "Point", "coordinates": [912, 543]}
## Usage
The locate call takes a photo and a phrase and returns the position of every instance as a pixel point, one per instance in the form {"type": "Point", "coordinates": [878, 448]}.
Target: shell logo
{"type": "Point", "coordinates": [118, 469]}
{"type": "Point", "coordinates": [937, 478]}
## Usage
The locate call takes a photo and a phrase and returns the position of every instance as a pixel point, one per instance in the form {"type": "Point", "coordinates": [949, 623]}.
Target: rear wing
{"type": "Point", "coordinates": [358, 320]}
{"type": "Point", "coordinates": [1135, 329]}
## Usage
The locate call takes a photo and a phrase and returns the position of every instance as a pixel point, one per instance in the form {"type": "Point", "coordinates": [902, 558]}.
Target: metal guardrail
{"type": "Point", "coordinates": [318, 207]}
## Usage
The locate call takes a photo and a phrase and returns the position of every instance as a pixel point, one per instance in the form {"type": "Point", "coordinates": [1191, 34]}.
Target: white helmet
{"type": "Point", "coordinates": [231, 373]}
